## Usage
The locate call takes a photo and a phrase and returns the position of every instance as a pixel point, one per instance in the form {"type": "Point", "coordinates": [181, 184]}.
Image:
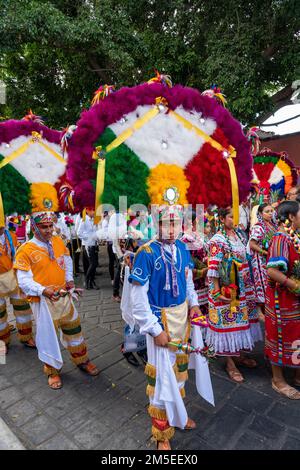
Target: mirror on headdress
{"type": "Point", "coordinates": [171, 195]}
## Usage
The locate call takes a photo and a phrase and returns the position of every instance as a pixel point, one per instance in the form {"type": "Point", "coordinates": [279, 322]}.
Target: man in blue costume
{"type": "Point", "coordinates": [163, 297]}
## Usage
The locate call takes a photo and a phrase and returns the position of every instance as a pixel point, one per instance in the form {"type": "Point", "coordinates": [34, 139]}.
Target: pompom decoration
{"type": "Point", "coordinates": [164, 139]}
{"type": "Point", "coordinates": [163, 177]}
{"type": "Point", "coordinates": [43, 196]}
{"type": "Point", "coordinates": [274, 172]}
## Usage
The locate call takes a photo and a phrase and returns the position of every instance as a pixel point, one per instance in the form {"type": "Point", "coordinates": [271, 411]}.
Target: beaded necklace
{"type": "Point", "coordinates": [269, 229]}
{"type": "Point", "coordinates": [224, 233]}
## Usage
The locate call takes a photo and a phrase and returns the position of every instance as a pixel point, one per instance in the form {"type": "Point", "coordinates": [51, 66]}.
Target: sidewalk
{"type": "Point", "coordinates": [109, 411]}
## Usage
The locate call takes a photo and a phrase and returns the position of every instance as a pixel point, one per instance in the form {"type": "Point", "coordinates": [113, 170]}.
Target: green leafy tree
{"type": "Point", "coordinates": [54, 54]}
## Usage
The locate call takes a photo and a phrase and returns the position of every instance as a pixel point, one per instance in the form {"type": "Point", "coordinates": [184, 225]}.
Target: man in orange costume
{"type": "Point", "coordinates": [45, 274]}
{"type": "Point", "coordinates": [9, 290]}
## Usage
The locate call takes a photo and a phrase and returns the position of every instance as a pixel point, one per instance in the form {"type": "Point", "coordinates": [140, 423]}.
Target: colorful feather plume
{"type": "Point", "coordinates": [161, 78]}
{"type": "Point", "coordinates": [102, 92]}
{"type": "Point", "coordinates": [215, 92]}
{"type": "Point", "coordinates": [33, 118]}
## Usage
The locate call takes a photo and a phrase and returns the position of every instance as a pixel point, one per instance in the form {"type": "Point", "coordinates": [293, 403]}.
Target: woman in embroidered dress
{"type": "Point", "coordinates": [233, 319]}
{"type": "Point", "coordinates": [259, 241]}
{"type": "Point", "coordinates": [199, 249]}
{"type": "Point", "coordinates": [283, 301]}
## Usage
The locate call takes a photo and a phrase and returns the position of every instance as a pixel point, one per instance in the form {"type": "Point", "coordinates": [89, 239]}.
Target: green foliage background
{"type": "Point", "coordinates": [54, 54]}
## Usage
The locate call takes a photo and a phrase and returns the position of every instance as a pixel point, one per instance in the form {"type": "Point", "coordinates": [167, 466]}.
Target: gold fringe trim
{"type": "Point", "coordinates": [157, 413]}
{"type": "Point", "coordinates": [188, 331]}
{"type": "Point", "coordinates": [77, 349]}
{"type": "Point", "coordinates": [164, 321]}
{"type": "Point", "coordinates": [150, 390]}
{"type": "Point", "coordinates": [182, 359]}
{"type": "Point", "coordinates": [69, 325]}
{"type": "Point", "coordinates": [163, 435]}
{"type": "Point", "coordinates": [19, 302]}
{"type": "Point", "coordinates": [80, 360]}
{"type": "Point", "coordinates": [182, 376]}
{"type": "Point", "coordinates": [48, 370]}
{"type": "Point", "coordinates": [4, 333]}
{"type": "Point", "coordinates": [150, 370]}
{"type": "Point", "coordinates": [2, 308]}
{"type": "Point", "coordinates": [8, 294]}
{"type": "Point", "coordinates": [24, 338]}
{"type": "Point", "coordinates": [24, 326]}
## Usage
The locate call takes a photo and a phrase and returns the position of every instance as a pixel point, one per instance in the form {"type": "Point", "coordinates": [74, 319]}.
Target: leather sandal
{"type": "Point", "coordinates": [246, 362]}
{"type": "Point", "coordinates": [163, 445]}
{"type": "Point", "coordinates": [235, 375]}
{"type": "Point", "coordinates": [287, 391]}
{"type": "Point", "coordinates": [89, 368]}
{"type": "Point", "coordinates": [30, 344]}
{"type": "Point", "coordinates": [54, 381]}
{"type": "Point", "coordinates": [190, 424]}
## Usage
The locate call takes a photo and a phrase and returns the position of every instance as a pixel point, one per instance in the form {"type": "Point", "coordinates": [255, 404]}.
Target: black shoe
{"type": "Point", "coordinates": [94, 286]}
{"type": "Point", "coordinates": [130, 357]}
{"type": "Point", "coordinates": [143, 355]}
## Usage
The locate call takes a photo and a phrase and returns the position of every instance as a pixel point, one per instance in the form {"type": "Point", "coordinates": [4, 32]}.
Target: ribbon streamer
{"type": "Point", "coordinates": [2, 218]}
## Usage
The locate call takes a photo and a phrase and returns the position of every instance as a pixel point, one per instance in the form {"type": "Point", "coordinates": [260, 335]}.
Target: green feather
{"type": "Point", "coordinates": [15, 190]}
{"type": "Point", "coordinates": [125, 174]}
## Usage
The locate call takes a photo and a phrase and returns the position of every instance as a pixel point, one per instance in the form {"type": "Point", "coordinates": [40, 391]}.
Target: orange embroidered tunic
{"type": "Point", "coordinates": [6, 262]}
{"type": "Point", "coordinates": [47, 272]}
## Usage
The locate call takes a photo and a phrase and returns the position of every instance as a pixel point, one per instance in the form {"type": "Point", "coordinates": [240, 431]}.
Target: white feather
{"type": "Point", "coordinates": [276, 176]}
{"type": "Point", "coordinates": [36, 164]}
{"type": "Point", "coordinates": [182, 143]}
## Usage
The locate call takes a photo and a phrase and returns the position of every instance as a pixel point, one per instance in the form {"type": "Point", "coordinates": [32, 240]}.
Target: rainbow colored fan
{"type": "Point", "coordinates": [273, 172]}
{"type": "Point", "coordinates": [137, 142]}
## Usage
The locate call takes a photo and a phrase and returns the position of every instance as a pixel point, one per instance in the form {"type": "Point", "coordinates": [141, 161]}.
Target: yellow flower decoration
{"type": "Point", "coordinates": [164, 176]}
{"type": "Point", "coordinates": [43, 197]}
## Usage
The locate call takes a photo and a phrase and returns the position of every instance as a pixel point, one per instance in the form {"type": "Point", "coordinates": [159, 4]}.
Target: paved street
{"type": "Point", "coordinates": [109, 411]}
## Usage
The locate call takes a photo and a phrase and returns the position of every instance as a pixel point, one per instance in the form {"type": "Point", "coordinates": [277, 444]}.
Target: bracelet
{"type": "Point", "coordinates": [216, 294]}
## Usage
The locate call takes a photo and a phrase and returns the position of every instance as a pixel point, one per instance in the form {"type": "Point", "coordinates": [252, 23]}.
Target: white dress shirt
{"type": "Point", "coordinates": [87, 232]}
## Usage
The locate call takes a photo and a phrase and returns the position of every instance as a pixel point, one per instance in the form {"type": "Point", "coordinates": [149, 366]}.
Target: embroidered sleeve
{"type": "Point", "coordinates": [142, 268]}
{"type": "Point", "coordinates": [216, 255]}
{"type": "Point", "coordinates": [257, 233]}
{"type": "Point", "coordinates": [22, 261]}
{"type": "Point", "coordinates": [279, 253]}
